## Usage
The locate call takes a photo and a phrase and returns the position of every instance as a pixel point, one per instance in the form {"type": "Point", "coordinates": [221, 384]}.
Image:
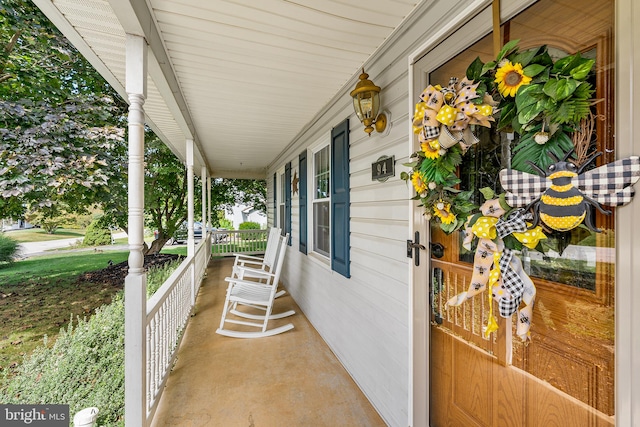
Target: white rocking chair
{"type": "Point", "coordinates": [270, 250]}
{"type": "Point", "coordinates": [258, 295]}
{"type": "Point", "coordinates": [253, 267]}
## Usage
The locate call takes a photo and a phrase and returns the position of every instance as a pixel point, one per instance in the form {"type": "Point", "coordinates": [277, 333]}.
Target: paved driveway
{"type": "Point", "coordinates": [39, 248]}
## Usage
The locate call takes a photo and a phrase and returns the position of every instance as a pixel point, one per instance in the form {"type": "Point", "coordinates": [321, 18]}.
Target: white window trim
{"type": "Point", "coordinates": [319, 144]}
{"type": "Point", "coordinates": [280, 198]}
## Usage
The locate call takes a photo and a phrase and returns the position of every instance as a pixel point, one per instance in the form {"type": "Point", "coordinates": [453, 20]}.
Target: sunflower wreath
{"type": "Point", "coordinates": [542, 101]}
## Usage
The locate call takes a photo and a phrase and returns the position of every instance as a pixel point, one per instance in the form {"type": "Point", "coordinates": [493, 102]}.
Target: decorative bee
{"type": "Point", "coordinates": [561, 197]}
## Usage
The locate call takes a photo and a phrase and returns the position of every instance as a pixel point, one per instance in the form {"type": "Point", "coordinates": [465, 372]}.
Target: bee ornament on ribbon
{"type": "Point", "coordinates": [562, 196]}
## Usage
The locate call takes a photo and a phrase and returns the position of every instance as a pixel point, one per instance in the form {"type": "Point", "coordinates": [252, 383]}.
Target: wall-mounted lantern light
{"type": "Point", "coordinates": [366, 103]}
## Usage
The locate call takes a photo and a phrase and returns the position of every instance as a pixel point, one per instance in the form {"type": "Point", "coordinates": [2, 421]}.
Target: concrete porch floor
{"type": "Point", "coordinates": [291, 379]}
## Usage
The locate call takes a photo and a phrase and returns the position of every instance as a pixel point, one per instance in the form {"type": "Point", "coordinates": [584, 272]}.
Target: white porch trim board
{"type": "Point", "coordinates": [627, 293]}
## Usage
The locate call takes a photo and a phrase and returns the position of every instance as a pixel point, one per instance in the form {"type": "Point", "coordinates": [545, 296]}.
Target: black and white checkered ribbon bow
{"type": "Point", "coordinates": [515, 223]}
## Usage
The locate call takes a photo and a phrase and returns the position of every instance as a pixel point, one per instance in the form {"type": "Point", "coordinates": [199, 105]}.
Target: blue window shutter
{"type": "Point", "coordinates": [302, 200]}
{"type": "Point", "coordinates": [340, 199]}
{"type": "Point", "coordinates": [287, 201]}
{"type": "Point", "coordinates": [275, 200]}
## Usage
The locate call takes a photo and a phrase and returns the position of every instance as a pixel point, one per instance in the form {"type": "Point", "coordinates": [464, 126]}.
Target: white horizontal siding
{"type": "Point", "coordinates": [365, 319]}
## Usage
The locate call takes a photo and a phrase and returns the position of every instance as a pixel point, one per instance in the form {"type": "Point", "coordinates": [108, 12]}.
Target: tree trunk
{"type": "Point", "coordinates": [156, 246]}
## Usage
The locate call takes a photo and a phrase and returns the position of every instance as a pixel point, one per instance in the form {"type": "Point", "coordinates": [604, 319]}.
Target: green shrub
{"type": "Point", "coordinates": [225, 223]}
{"type": "Point", "coordinates": [249, 225]}
{"type": "Point", "coordinates": [157, 275]}
{"type": "Point", "coordinates": [97, 234]}
{"type": "Point", "coordinates": [83, 368]}
{"type": "Point", "coordinates": [8, 249]}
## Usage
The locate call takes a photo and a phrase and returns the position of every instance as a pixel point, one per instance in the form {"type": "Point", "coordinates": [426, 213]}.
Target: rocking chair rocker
{"type": "Point", "coordinates": [258, 295]}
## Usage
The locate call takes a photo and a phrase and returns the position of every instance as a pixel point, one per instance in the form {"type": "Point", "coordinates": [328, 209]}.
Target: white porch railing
{"type": "Point", "coordinates": [229, 242]}
{"type": "Point", "coordinates": [168, 312]}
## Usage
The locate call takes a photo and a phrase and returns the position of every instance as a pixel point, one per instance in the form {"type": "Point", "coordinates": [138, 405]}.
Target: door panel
{"type": "Point", "coordinates": [565, 375]}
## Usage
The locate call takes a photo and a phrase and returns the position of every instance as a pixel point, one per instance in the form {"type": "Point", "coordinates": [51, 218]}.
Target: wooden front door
{"type": "Point", "coordinates": [565, 375]}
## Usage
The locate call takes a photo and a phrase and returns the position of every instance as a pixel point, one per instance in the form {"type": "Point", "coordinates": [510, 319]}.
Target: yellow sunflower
{"type": "Point", "coordinates": [509, 78]}
{"type": "Point", "coordinates": [431, 149]}
{"type": "Point", "coordinates": [443, 211]}
{"type": "Point", "coordinates": [418, 181]}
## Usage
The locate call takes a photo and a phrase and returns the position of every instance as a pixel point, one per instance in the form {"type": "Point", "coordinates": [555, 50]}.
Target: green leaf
{"type": "Point", "coordinates": [528, 95]}
{"type": "Point", "coordinates": [563, 65]}
{"type": "Point", "coordinates": [565, 89]}
{"type": "Point", "coordinates": [582, 71]}
{"type": "Point", "coordinates": [528, 113]}
{"type": "Point", "coordinates": [488, 66]}
{"type": "Point", "coordinates": [525, 58]}
{"type": "Point", "coordinates": [543, 58]}
{"type": "Point", "coordinates": [404, 176]}
{"type": "Point", "coordinates": [550, 88]}
{"type": "Point", "coordinates": [488, 193]}
{"type": "Point", "coordinates": [507, 114]}
{"type": "Point", "coordinates": [533, 70]}
{"type": "Point", "coordinates": [475, 69]}
{"type": "Point", "coordinates": [449, 228]}
{"type": "Point", "coordinates": [512, 243]}
{"type": "Point", "coordinates": [507, 49]}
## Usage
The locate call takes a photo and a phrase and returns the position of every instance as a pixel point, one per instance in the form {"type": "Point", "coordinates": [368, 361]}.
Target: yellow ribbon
{"type": "Point", "coordinates": [494, 277]}
{"type": "Point", "coordinates": [485, 228]}
{"type": "Point", "coordinates": [530, 238]}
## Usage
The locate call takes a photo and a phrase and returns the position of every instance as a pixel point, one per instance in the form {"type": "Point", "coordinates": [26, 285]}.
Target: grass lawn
{"type": "Point", "coordinates": [39, 235]}
{"type": "Point", "coordinates": [179, 250]}
{"type": "Point", "coordinates": [40, 295]}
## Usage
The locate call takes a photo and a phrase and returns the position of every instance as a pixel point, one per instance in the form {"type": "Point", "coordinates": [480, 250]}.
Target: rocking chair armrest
{"type": "Point", "coordinates": [257, 271]}
{"type": "Point", "coordinates": [242, 262]}
{"type": "Point", "coordinates": [247, 282]}
{"type": "Point", "coordinates": [250, 257]}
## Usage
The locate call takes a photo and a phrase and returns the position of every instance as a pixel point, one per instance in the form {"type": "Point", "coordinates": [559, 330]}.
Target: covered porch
{"type": "Point", "coordinates": [254, 90]}
{"type": "Point", "coordinates": [288, 379]}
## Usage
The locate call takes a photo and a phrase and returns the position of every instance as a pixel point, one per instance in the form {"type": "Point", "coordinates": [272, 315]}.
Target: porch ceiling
{"type": "Point", "coordinates": [240, 77]}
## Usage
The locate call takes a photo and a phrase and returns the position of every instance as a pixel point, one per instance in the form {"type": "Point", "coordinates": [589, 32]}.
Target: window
{"type": "Point", "coordinates": [281, 216]}
{"type": "Point", "coordinates": [328, 190]}
{"type": "Point", "coordinates": [321, 202]}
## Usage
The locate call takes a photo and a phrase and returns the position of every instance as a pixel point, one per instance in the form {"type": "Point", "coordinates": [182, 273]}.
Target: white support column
{"type": "Point", "coordinates": [135, 284]}
{"type": "Point", "coordinates": [209, 200]}
{"type": "Point", "coordinates": [190, 200]}
{"type": "Point", "coordinates": [203, 182]}
{"type": "Point", "coordinates": [191, 244]}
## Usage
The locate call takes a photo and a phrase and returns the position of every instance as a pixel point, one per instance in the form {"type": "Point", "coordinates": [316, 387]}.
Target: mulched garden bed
{"type": "Point", "coordinates": [114, 274]}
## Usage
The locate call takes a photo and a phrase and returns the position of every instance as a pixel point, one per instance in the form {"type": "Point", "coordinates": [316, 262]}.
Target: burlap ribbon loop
{"type": "Point", "coordinates": [496, 266]}
{"type": "Point", "coordinates": [447, 113]}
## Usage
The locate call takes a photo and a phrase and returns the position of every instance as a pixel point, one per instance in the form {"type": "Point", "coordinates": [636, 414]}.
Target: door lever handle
{"type": "Point", "coordinates": [411, 245]}
{"type": "Point", "coordinates": [413, 249]}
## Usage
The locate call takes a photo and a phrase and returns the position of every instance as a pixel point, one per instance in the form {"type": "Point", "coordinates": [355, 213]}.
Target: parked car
{"type": "Point", "coordinates": [181, 234]}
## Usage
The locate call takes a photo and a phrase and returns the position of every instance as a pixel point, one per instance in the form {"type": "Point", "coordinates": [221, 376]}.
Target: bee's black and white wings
{"type": "Point", "coordinates": [610, 184]}
{"type": "Point", "coordinates": [522, 188]}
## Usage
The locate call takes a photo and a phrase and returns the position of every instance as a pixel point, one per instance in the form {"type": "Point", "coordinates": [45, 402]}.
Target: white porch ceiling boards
{"type": "Point", "coordinates": [249, 74]}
